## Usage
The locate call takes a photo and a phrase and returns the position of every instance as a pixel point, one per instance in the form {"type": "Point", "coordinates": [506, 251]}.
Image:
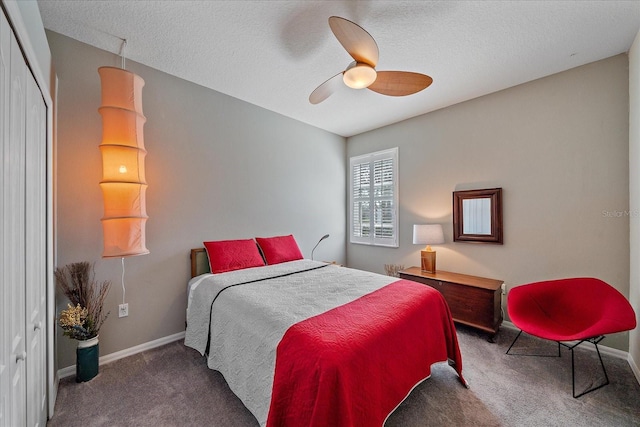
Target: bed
{"type": "Point", "coordinates": [304, 342]}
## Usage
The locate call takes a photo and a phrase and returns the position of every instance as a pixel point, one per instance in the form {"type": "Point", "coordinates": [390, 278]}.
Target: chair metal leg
{"type": "Point", "coordinates": [514, 341]}
{"type": "Point", "coordinates": [537, 355]}
{"type": "Point", "coordinates": [594, 341]}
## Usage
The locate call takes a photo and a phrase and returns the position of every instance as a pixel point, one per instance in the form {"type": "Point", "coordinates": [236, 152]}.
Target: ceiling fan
{"type": "Point", "coordinates": [361, 73]}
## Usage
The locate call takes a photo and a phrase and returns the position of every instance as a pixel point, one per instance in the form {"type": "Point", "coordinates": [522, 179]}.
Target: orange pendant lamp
{"type": "Point", "coordinates": [123, 181]}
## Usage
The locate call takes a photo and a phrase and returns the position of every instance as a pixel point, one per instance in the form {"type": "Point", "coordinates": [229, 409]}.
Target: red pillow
{"type": "Point", "coordinates": [279, 249]}
{"type": "Point", "coordinates": [229, 255]}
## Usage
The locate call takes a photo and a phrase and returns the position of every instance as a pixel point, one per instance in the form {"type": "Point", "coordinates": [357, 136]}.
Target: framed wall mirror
{"type": "Point", "coordinates": [477, 216]}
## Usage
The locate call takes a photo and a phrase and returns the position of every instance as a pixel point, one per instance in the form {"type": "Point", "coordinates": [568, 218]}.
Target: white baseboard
{"type": "Point", "coordinates": [634, 367]}
{"type": "Point", "coordinates": [71, 370]}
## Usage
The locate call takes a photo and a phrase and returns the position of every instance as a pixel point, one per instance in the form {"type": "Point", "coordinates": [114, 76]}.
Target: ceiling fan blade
{"type": "Point", "coordinates": [355, 39]}
{"type": "Point", "coordinates": [400, 83]}
{"type": "Point", "coordinates": [325, 90]}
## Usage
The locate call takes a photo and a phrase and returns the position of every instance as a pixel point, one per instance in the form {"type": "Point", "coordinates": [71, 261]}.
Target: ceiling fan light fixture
{"type": "Point", "coordinates": [359, 75]}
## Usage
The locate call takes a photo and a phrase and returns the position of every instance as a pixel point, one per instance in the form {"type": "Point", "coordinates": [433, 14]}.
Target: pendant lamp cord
{"type": "Point", "coordinates": [123, 290]}
{"type": "Point", "coordinates": [124, 45]}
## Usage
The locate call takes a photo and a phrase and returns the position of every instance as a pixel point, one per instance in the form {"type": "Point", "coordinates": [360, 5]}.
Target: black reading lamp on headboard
{"type": "Point", "coordinates": [314, 248]}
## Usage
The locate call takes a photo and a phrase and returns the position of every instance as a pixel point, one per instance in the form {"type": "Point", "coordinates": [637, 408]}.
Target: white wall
{"type": "Point", "coordinates": [217, 168]}
{"type": "Point", "coordinates": [557, 146]}
{"type": "Point", "coordinates": [634, 195]}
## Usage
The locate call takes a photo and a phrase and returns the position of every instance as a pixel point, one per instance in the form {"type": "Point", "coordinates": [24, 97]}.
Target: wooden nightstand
{"type": "Point", "coordinates": [474, 301]}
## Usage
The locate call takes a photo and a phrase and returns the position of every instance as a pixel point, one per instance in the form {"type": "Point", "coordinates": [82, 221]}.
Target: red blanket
{"type": "Point", "coordinates": [352, 365]}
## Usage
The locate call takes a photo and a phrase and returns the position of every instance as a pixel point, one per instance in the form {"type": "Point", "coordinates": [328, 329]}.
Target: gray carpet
{"type": "Point", "coordinates": [171, 386]}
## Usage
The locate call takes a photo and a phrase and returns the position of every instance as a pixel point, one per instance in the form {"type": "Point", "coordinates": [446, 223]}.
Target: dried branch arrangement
{"type": "Point", "coordinates": [77, 282]}
{"type": "Point", "coordinates": [393, 269]}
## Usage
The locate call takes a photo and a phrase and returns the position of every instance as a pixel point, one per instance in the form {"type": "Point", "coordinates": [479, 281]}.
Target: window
{"type": "Point", "coordinates": [373, 198]}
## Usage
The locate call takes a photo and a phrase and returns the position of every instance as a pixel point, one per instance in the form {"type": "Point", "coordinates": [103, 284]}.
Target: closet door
{"type": "Point", "coordinates": [14, 234]}
{"type": "Point", "coordinates": [35, 246]}
{"type": "Point", "coordinates": [23, 227]}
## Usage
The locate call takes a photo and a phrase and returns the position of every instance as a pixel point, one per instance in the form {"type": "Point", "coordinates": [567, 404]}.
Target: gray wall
{"type": "Point", "coordinates": [220, 168]}
{"type": "Point", "coordinates": [634, 195]}
{"type": "Point", "coordinates": [557, 146]}
{"type": "Point", "coordinates": [217, 168]}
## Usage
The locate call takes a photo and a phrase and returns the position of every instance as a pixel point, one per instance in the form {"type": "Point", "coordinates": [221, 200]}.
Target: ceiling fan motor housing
{"type": "Point", "coordinates": [359, 75]}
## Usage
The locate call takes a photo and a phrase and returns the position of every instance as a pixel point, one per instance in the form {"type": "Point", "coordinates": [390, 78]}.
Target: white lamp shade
{"type": "Point", "coordinates": [123, 178]}
{"type": "Point", "coordinates": [428, 234]}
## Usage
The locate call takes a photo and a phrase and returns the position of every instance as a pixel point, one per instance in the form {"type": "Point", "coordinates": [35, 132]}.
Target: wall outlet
{"type": "Point", "coordinates": [504, 289]}
{"type": "Point", "coordinates": [123, 310]}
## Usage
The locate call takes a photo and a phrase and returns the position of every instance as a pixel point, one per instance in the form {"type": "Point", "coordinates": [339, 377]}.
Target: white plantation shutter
{"type": "Point", "coordinates": [374, 198]}
{"type": "Point", "coordinates": [360, 195]}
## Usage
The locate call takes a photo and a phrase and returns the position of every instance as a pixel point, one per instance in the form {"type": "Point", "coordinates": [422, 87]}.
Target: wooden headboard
{"type": "Point", "coordinates": [199, 262]}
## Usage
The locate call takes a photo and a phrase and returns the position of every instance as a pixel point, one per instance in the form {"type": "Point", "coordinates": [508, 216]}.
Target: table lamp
{"type": "Point", "coordinates": [428, 234]}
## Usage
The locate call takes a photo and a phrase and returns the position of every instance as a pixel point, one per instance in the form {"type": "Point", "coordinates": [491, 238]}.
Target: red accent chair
{"type": "Point", "coordinates": [577, 309]}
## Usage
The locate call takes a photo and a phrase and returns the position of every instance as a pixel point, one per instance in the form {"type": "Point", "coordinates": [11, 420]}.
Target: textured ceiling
{"type": "Point", "coordinates": [275, 53]}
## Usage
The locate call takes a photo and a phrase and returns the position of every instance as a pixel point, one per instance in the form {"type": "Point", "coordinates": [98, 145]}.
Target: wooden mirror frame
{"type": "Point", "coordinates": [495, 194]}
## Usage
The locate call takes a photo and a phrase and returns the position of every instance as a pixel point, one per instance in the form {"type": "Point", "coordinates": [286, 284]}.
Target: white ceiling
{"type": "Point", "coordinates": [275, 53]}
